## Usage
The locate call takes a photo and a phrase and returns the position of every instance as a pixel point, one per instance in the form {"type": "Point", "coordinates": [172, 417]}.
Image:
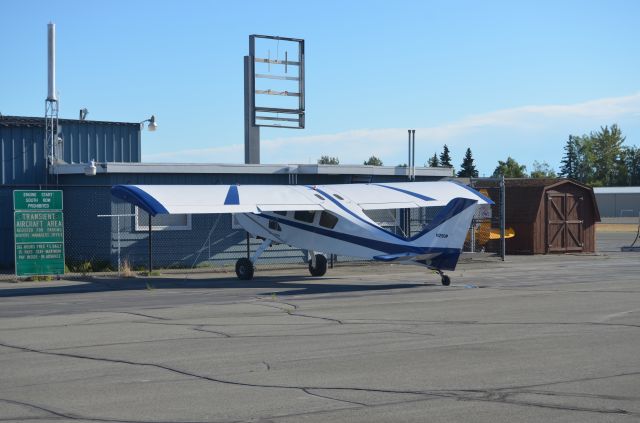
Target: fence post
{"type": "Point", "coordinates": [150, 268]}
{"type": "Point", "coordinates": [503, 246]}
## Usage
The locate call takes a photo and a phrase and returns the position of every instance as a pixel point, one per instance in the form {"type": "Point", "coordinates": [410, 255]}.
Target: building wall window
{"type": "Point", "coordinates": [162, 222]}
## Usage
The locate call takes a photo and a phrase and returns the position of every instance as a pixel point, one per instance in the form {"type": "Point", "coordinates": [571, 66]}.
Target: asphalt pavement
{"type": "Point", "coordinates": [544, 338]}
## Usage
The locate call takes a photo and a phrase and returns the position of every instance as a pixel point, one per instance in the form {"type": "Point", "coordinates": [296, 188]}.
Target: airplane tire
{"type": "Point", "coordinates": [321, 266]}
{"type": "Point", "coordinates": [244, 269]}
{"type": "Point", "coordinates": [446, 280]}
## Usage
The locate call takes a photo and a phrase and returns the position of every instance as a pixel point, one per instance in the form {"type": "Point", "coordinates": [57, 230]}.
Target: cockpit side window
{"type": "Point", "coordinates": [328, 220]}
{"type": "Point", "coordinates": [304, 216]}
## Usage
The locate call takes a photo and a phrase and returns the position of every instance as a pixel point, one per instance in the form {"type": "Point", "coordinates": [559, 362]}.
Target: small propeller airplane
{"type": "Point", "coordinates": [328, 219]}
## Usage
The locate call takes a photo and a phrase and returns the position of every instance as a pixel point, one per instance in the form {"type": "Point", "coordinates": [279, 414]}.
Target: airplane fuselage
{"type": "Point", "coordinates": [342, 228]}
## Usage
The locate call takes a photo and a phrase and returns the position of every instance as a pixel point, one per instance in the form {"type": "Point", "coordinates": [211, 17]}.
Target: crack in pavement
{"type": "Point", "coordinates": [476, 322]}
{"type": "Point", "coordinates": [294, 313]}
{"type": "Point", "coordinates": [500, 395]}
{"type": "Point", "coordinates": [138, 314]}
{"type": "Point", "coordinates": [308, 392]}
{"type": "Point", "coordinates": [75, 416]}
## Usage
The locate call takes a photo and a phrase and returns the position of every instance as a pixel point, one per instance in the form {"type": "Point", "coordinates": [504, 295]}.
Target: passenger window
{"type": "Point", "coordinates": [328, 220]}
{"type": "Point", "coordinates": [304, 216]}
{"type": "Point", "coordinates": [275, 226]}
{"type": "Point", "coordinates": [281, 213]}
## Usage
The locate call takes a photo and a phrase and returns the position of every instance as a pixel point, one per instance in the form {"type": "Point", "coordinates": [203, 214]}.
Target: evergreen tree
{"type": "Point", "coordinates": [570, 159]}
{"type": "Point", "coordinates": [510, 169]}
{"type": "Point", "coordinates": [632, 161]}
{"type": "Point", "coordinates": [467, 168]}
{"type": "Point", "coordinates": [445, 157]}
{"type": "Point", "coordinates": [433, 161]}
{"type": "Point", "coordinates": [328, 160]}
{"type": "Point", "coordinates": [373, 161]}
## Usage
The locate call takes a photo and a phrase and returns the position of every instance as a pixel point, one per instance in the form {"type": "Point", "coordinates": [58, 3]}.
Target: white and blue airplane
{"type": "Point", "coordinates": [328, 219]}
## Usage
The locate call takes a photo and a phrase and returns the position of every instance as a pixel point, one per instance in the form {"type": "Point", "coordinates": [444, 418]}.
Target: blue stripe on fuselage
{"type": "Point", "coordinates": [346, 209]}
{"type": "Point", "coordinates": [383, 246]}
{"type": "Point", "coordinates": [404, 191]}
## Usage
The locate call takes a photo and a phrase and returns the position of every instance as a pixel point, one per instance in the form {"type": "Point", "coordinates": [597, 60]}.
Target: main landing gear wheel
{"type": "Point", "coordinates": [446, 280]}
{"type": "Point", "coordinates": [244, 269]}
{"type": "Point", "coordinates": [321, 266]}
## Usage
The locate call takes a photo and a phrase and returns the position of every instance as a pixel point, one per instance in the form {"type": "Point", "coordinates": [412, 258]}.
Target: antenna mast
{"type": "Point", "coordinates": [51, 103]}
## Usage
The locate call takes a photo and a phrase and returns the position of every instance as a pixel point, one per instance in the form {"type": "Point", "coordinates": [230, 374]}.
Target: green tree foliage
{"type": "Point", "coordinates": [433, 161]}
{"type": "Point", "coordinates": [542, 170]}
{"type": "Point", "coordinates": [445, 157]}
{"type": "Point", "coordinates": [632, 161]}
{"type": "Point", "coordinates": [467, 168]}
{"type": "Point", "coordinates": [600, 159]}
{"type": "Point", "coordinates": [328, 160]}
{"type": "Point", "coordinates": [373, 161]}
{"type": "Point", "coordinates": [510, 169]}
{"type": "Point", "coordinates": [607, 146]}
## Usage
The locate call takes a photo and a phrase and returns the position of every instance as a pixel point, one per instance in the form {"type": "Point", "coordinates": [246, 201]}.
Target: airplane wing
{"type": "Point", "coordinates": [406, 194]}
{"type": "Point", "coordinates": [194, 199]}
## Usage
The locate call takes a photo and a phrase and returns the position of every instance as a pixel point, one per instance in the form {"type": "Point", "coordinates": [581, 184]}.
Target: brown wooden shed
{"type": "Point", "coordinates": [550, 216]}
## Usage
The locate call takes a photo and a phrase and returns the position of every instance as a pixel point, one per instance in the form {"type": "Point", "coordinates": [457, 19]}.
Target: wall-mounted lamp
{"type": "Point", "coordinates": [91, 169]}
{"type": "Point", "coordinates": [152, 123]}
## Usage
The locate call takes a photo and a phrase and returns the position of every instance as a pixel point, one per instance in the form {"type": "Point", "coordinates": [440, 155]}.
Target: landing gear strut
{"type": "Point", "coordinates": [244, 266]}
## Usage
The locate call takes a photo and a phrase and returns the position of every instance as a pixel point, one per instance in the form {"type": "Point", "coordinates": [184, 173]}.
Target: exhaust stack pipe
{"type": "Point", "coordinates": [51, 95]}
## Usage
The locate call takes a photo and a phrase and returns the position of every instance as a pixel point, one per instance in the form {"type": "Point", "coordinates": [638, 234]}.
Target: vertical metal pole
{"type": "Point", "coordinates": [118, 223]}
{"type": "Point", "coordinates": [150, 268]}
{"type": "Point", "coordinates": [248, 247]}
{"type": "Point", "coordinates": [409, 157]}
{"type": "Point", "coordinates": [251, 132]}
{"type": "Point", "coordinates": [473, 236]}
{"type": "Point", "coordinates": [413, 155]}
{"type": "Point", "coordinates": [502, 218]}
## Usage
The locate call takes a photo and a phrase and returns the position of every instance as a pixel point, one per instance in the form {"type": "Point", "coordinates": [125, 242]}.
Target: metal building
{"type": "Point", "coordinates": [618, 201]}
{"type": "Point", "coordinates": [179, 240]}
{"type": "Point", "coordinates": [23, 158]}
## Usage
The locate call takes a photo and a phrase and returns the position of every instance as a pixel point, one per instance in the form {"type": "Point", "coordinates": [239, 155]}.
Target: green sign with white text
{"type": "Point", "coordinates": [39, 232]}
{"type": "Point", "coordinates": [37, 200]}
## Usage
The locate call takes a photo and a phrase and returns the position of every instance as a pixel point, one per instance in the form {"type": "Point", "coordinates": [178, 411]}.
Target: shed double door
{"type": "Point", "coordinates": [565, 229]}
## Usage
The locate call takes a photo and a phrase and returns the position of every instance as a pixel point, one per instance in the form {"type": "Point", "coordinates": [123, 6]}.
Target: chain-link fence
{"type": "Point", "coordinates": [104, 234]}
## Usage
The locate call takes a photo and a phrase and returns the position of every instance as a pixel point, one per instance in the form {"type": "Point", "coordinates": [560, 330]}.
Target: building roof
{"type": "Point", "coordinates": [223, 168]}
{"type": "Point", "coordinates": [617, 190]}
{"type": "Point", "coordinates": [39, 121]}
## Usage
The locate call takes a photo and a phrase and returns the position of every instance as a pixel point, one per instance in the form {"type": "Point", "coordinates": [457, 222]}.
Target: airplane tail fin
{"type": "Point", "coordinates": [446, 233]}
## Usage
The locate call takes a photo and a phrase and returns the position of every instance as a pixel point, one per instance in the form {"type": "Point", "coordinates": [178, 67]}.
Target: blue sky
{"type": "Point", "coordinates": [503, 78]}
